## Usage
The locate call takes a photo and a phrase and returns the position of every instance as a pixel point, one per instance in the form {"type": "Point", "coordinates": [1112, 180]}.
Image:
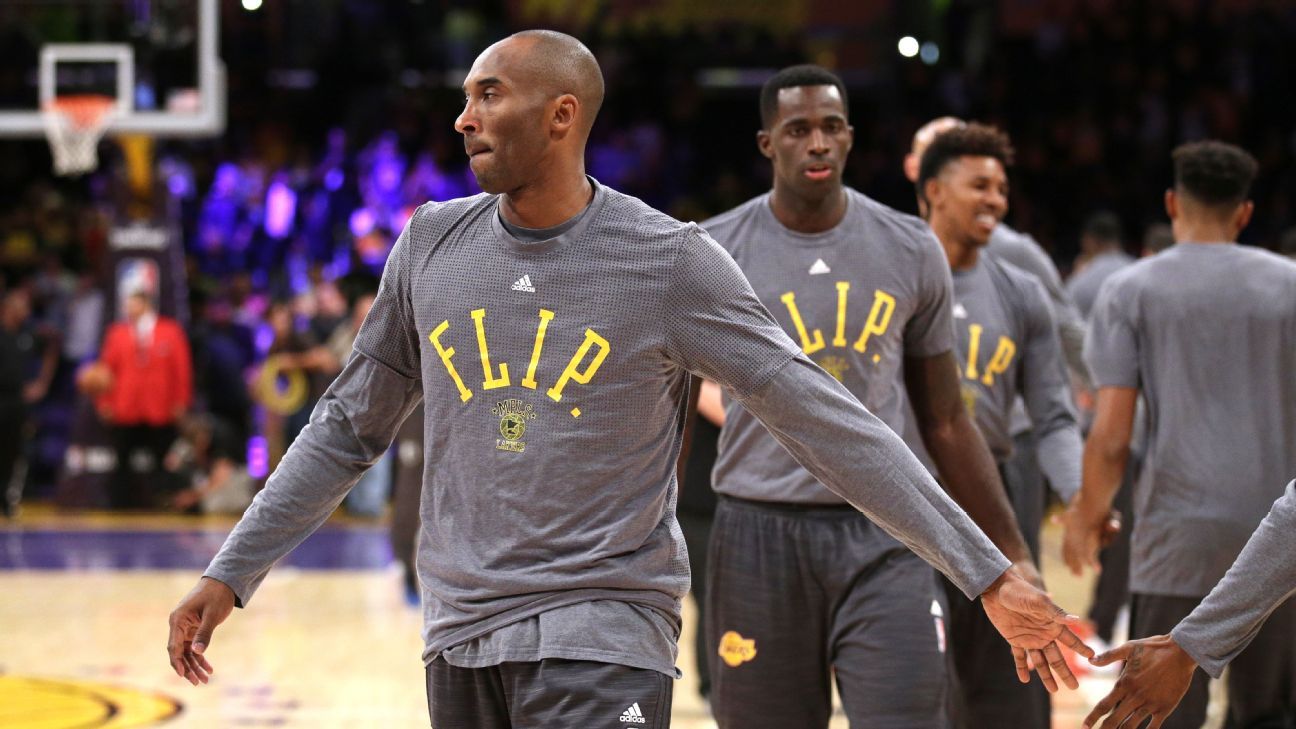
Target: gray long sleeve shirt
{"type": "Point", "coordinates": [1262, 578]}
{"type": "Point", "coordinates": [553, 376]}
{"type": "Point", "coordinates": [1008, 346]}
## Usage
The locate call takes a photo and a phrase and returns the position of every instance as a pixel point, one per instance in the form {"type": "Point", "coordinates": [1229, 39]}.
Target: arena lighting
{"type": "Point", "coordinates": [908, 46]}
{"type": "Point", "coordinates": [930, 53]}
{"type": "Point", "coordinates": [251, 5]}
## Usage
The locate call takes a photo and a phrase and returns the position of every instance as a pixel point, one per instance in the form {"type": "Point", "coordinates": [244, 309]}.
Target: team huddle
{"type": "Point", "coordinates": [879, 376]}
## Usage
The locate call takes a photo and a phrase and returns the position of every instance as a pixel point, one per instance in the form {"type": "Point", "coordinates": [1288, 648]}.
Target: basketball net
{"type": "Point", "coordinates": [74, 125]}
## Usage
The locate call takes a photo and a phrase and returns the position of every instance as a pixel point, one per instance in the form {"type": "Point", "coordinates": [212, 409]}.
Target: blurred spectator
{"type": "Point", "coordinates": [223, 351]}
{"type": "Point", "coordinates": [1157, 238]}
{"type": "Point", "coordinates": [146, 387]}
{"type": "Point", "coordinates": [84, 320]}
{"type": "Point", "coordinates": [208, 469]}
{"type": "Point", "coordinates": [21, 384]}
{"type": "Point", "coordinates": [1101, 255]}
{"type": "Point", "coordinates": [297, 355]}
{"type": "Point", "coordinates": [369, 496]}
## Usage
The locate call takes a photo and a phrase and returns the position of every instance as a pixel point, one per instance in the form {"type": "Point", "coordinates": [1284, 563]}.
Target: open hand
{"type": "Point", "coordinates": [1154, 680]}
{"type": "Point", "coordinates": [1036, 629]}
{"type": "Point", "coordinates": [192, 624]}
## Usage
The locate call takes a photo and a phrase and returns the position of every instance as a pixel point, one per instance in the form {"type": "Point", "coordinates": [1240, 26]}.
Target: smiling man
{"type": "Point", "coordinates": [797, 574]}
{"type": "Point", "coordinates": [550, 325]}
{"type": "Point", "coordinates": [1008, 348]}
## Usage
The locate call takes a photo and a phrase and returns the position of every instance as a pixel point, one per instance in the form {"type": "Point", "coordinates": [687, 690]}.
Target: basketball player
{"type": "Point", "coordinates": [549, 325]}
{"type": "Point", "coordinates": [1206, 330]}
{"type": "Point", "coordinates": [803, 586]}
{"type": "Point", "coordinates": [1159, 669]}
{"type": "Point", "coordinates": [1008, 348]}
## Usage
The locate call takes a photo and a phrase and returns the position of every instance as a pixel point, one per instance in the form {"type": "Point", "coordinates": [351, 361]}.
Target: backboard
{"type": "Point", "coordinates": [157, 59]}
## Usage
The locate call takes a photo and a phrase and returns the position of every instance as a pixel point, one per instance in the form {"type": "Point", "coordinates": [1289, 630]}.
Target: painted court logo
{"type": "Point", "coordinates": [736, 650]}
{"type": "Point", "coordinates": [513, 415]}
{"type": "Point", "coordinates": [633, 715]}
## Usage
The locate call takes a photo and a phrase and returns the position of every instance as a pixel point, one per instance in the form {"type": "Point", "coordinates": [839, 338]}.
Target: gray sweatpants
{"type": "Point", "coordinates": [797, 594]}
{"type": "Point", "coordinates": [549, 694]}
{"type": "Point", "coordinates": [1261, 680]}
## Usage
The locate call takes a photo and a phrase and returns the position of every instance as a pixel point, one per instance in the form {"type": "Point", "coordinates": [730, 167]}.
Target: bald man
{"type": "Point", "coordinates": [550, 326]}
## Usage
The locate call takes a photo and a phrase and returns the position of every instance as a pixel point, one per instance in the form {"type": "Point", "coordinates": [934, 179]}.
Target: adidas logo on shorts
{"type": "Point", "coordinates": [524, 284]}
{"type": "Point", "coordinates": [633, 715]}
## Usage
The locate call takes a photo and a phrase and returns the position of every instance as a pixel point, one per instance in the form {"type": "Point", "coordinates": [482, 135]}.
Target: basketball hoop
{"type": "Point", "coordinates": [74, 125]}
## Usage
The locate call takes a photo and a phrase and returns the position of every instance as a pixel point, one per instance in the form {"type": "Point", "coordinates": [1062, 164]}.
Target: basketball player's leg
{"type": "Point", "coordinates": [1262, 679]}
{"type": "Point", "coordinates": [765, 623]}
{"type": "Point", "coordinates": [1158, 615]}
{"type": "Point", "coordinates": [561, 693]}
{"type": "Point", "coordinates": [888, 638]}
{"type": "Point", "coordinates": [466, 698]}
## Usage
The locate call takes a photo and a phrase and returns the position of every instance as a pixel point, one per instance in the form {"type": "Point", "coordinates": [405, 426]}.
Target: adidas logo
{"type": "Point", "coordinates": [633, 715]}
{"type": "Point", "coordinates": [524, 284]}
{"type": "Point", "coordinates": [960, 312]}
{"type": "Point", "coordinates": [819, 267]}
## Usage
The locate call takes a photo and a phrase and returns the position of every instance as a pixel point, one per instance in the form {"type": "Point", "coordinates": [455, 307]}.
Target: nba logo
{"type": "Point", "coordinates": [136, 275]}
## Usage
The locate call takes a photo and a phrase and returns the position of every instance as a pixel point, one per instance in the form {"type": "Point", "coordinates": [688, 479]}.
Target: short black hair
{"type": "Point", "coordinates": [1214, 173]}
{"type": "Point", "coordinates": [806, 74]}
{"type": "Point", "coordinates": [1103, 226]}
{"type": "Point", "coordinates": [968, 140]}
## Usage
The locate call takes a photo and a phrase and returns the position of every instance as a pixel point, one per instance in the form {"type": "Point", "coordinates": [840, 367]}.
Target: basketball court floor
{"type": "Point", "coordinates": [329, 640]}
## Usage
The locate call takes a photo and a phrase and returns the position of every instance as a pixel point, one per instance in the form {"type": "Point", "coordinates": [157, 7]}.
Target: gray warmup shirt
{"type": "Point", "coordinates": [1085, 283]}
{"type": "Point", "coordinates": [1008, 346]}
{"type": "Point", "coordinates": [858, 299]}
{"type": "Point", "coordinates": [1208, 333]}
{"type": "Point", "coordinates": [1024, 252]}
{"type": "Point", "coordinates": [1262, 578]}
{"type": "Point", "coordinates": [554, 377]}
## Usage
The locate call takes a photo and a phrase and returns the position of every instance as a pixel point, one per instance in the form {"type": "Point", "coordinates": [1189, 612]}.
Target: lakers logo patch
{"type": "Point", "coordinates": [736, 650]}
{"type": "Point", "coordinates": [513, 415]}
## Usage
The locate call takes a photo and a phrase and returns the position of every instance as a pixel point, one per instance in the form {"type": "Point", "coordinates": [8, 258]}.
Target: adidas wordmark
{"type": "Point", "coordinates": [633, 715]}
{"type": "Point", "coordinates": [524, 284]}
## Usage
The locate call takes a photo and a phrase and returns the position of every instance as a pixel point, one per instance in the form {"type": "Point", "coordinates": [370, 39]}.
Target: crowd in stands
{"type": "Point", "coordinates": [287, 219]}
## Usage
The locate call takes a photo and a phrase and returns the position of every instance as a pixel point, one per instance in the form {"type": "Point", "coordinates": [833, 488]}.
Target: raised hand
{"type": "Point", "coordinates": [192, 624]}
{"type": "Point", "coordinates": [1154, 680]}
{"type": "Point", "coordinates": [1036, 629]}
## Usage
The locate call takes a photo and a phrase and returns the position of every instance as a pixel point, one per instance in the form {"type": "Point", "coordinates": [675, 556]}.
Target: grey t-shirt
{"type": "Point", "coordinates": [1008, 346]}
{"type": "Point", "coordinates": [554, 376]}
{"type": "Point", "coordinates": [1085, 283]}
{"type": "Point", "coordinates": [1262, 578]}
{"type": "Point", "coordinates": [1208, 333]}
{"type": "Point", "coordinates": [1024, 252]}
{"type": "Point", "coordinates": [858, 299]}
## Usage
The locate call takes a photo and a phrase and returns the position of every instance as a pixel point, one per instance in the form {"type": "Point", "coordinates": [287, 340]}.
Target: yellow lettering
{"type": "Point", "coordinates": [1003, 357]}
{"type": "Point", "coordinates": [878, 319]}
{"type": "Point", "coordinates": [529, 380]}
{"type": "Point", "coordinates": [446, 353]}
{"type": "Point", "coordinates": [808, 345]}
{"type": "Point", "coordinates": [839, 339]}
{"type": "Point", "coordinates": [491, 382]}
{"type": "Point", "coordinates": [573, 371]}
{"type": "Point", "coordinates": [974, 349]}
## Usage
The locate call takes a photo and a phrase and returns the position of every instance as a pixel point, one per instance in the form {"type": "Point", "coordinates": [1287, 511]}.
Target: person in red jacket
{"type": "Point", "coordinates": [149, 388]}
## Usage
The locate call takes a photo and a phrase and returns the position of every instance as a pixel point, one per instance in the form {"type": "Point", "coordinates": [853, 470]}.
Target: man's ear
{"type": "Point", "coordinates": [1242, 217]}
{"type": "Point", "coordinates": [566, 112]}
{"type": "Point", "coordinates": [1171, 204]}
{"type": "Point", "coordinates": [765, 143]}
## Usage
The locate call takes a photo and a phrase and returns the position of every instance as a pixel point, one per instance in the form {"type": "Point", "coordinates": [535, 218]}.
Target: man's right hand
{"type": "Point", "coordinates": [192, 624]}
{"type": "Point", "coordinates": [1036, 629]}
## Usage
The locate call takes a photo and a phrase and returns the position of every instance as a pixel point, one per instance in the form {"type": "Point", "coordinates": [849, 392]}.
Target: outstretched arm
{"type": "Point", "coordinates": [351, 427]}
{"type": "Point", "coordinates": [1158, 669]}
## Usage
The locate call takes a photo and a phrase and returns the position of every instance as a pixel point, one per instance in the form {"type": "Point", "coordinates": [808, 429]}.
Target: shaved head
{"type": "Point", "coordinates": [559, 64]}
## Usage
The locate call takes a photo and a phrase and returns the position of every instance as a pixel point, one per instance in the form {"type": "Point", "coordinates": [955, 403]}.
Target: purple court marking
{"type": "Point", "coordinates": [330, 548]}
